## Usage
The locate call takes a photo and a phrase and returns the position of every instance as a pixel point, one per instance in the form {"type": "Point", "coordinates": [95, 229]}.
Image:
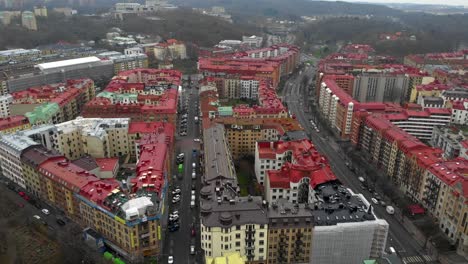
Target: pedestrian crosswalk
{"type": "Point", "coordinates": [418, 259]}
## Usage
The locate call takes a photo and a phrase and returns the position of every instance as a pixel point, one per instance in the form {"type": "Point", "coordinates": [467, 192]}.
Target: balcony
{"type": "Point", "coordinates": [249, 239]}
{"type": "Point", "coordinates": [250, 246]}
{"type": "Point", "coordinates": [250, 232]}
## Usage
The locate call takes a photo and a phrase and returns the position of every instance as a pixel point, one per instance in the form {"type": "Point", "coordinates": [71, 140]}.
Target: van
{"type": "Point", "coordinates": [391, 250]}
{"type": "Point", "coordinates": [390, 210]}
{"type": "Point", "coordinates": [361, 179]}
{"type": "Point", "coordinates": [192, 204]}
{"type": "Point", "coordinates": [194, 175]}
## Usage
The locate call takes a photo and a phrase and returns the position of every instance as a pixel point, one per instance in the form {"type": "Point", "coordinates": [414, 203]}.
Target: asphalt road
{"type": "Point", "coordinates": [177, 244]}
{"type": "Point", "coordinates": [399, 238]}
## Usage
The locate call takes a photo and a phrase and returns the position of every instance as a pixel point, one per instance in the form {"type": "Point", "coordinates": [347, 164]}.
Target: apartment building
{"type": "Point", "coordinates": [449, 140]}
{"type": "Point", "coordinates": [5, 101]}
{"type": "Point", "coordinates": [172, 49]}
{"type": "Point", "coordinates": [336, 106]}
{"type": "Point", "coordinates": [31, 159]}
{"type": "Point", "coordinates": [460, 112]}
{"type": "Point", "coordinates": [141, 94]}
{"type": "Point", "coordinates": [125, 62]}
{"type": "Point", "coordinates": [252, 41]}
{"type": "Point", "coordinates": [380, 87]}
{"type": "Point", "coordinates": [12, 124]}
{"type": "Point", "coordinates": [64, 101]}
{"type": "Point", "coordinates": [11, 147]}
{"type": "Point", "coordinates": [291, 170]}
{"type": "Point", "coordinates": [85, 197]}
{"type": "Point", "coordinates": [228, 223]}
{"type": "Point", "coordinates": [445, 198]}
{"type": "Point", "coordinates": [455, 94]}
{"type": "Point", "coordinates": [433, 89]}
{"type": "Point", "coordinates": [28, 20]}
{"type": "Point", "coordinates": [421, 123]}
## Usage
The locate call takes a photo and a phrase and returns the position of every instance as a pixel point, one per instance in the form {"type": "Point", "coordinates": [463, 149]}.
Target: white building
{"type": "Point", "coordinates": [5, 101]}
{"type": "Point", "coordinates": [290, 170]}
{"type": "Point", "coordinates": [421, 123]}
{"type": "Point", "coordinates": [253, 41]}
{"type": "Point", "coordinates": [346, 243]}
{"type": "Point", "coordinates": [460, 112]}
{"type": "Point", "coordinates": [11, 147]}
{"type": "Point", "coordinates": [134, 51]}
{"type": "Point", "coordinates": [249, 88]}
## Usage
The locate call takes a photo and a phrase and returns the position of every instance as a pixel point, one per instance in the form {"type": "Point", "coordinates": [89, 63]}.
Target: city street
{"type": "Point", "coordinates": [177, 243]}
{"type": "Point", "coordinates": [293, 95]}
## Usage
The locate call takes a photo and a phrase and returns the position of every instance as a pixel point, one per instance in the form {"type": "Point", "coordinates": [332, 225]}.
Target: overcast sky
{"type": "Point", "coordinates": [441, 2]}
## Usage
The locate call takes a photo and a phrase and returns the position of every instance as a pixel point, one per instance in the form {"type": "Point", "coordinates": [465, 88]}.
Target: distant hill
{"type": "Point", "coordinates": [292, 7]}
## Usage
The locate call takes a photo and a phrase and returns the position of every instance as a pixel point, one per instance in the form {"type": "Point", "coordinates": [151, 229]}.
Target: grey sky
{"type": "Point", "coordinates": [441, 2]}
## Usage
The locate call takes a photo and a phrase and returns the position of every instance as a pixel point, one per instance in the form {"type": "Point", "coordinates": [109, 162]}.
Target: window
{"type": "Point", "coordinates": [261, 242]}
{"type": "Point", "coordinates": [262, 234]}
{"type": "Point", "coordinates": [237, 236]}
{"type": "Point", "coordinates": [237, 244]}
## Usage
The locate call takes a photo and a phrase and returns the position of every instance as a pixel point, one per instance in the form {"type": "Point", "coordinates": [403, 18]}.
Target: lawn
{"type": "Point", "coordinates": [243, 180]}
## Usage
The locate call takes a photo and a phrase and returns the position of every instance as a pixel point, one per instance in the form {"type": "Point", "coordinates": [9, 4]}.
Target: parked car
{"type": "Point", "coordinates": [175, 199]}
{"type": "Point", "coordinates": [170, 260]}
{"type": "Point", "coordinates": [60, 222]}
{"type": "Point", "coordinates": [176, 191]}
{"type": "Point", "coordinates": [390, 210]}
{"type": "Point", "coordinates": [45, 211]}
{"type": "Point", "coordinates": [37, 217]}
{"type": "Point", "coordinates": [375, 201]}
{"type": "Point", "coordinates": [193, 232]}
{"type": "Point", "coordinates": [196, 140]}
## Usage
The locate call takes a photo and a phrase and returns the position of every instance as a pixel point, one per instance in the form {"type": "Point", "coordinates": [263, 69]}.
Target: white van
{"type": "Point", "coordinates": [390, 210]}
{"type": "Point", "coordinates": [194, 175]}
{"type": "Point", "coordinates": [391, 250]}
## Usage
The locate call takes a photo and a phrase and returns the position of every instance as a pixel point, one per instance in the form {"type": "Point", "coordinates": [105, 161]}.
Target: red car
{"type": "Point", "coordinates": [193, 232]}
{"type": "Point", "coordinates": [26, 198]}
{"type": "Point", "coordinates": [22, 194]}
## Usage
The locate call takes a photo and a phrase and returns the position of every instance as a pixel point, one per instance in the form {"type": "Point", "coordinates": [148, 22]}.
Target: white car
{"type": "Point", "coordinates": [192, 250]}
{"type": "Point", "coordinates": [175, 199]}
{"type": "Point", "coordinates": [170, 260]}
{"type": "Point", "coordinates": [173, 217]}
{"type": "Point", "coordinates": [196, 140]}
{"type": "Point", "coordinates": [194, 165]}
{"type": "Point", "coordinates": [176, 191]}
{"type": "Point", "coordinates": [175, 212]}
{"type": "Point", "coordinates": [37, 217]}
{"type": "Point", "coordinates": [375, 201]}
{"type": "Point", "coordinates": [45, 211]}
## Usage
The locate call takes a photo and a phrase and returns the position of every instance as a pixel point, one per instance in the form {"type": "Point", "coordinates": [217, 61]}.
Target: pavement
{"type": "Point", "coordinates": [177, 244]}
{"type": "Point", "coordinates": [293, 94]}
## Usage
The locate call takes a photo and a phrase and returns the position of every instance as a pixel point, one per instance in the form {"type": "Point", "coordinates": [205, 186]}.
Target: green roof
{"type": "Point", "coordinates": [225, 111]}
{"type": "Point", "coordinates": [116, 97]}
{"type": "Point", "coordinates": [43, 113]}
{"type": "Point", "coordinates": [370, 261]}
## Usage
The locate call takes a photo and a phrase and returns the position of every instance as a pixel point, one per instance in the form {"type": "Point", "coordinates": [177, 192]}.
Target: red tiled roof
{"type": "Point", "coordinates": [107, 164]}
{"type": "Point", "coordinates": [12, 121]}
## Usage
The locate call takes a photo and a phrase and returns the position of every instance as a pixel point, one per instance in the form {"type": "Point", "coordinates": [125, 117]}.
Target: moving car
{"type": "Point", "coordinates": [192, 250]}
{"type": "Point", "coordinates": [37, 217]}
{"type": "Point", "coordinates": [390, 209]}
{"type": "Point", "coordinates": [45, 211]}
{"type": "Point", "coordinates": [170, 260]}
{"type": "Point", "coordinates": [60, 222]}
{"type": "Point", "coordinates": [196, 140]}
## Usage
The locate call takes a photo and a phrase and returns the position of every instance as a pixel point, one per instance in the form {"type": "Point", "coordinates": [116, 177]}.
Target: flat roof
{"type": "Point", "coordinates": [66, 63]}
